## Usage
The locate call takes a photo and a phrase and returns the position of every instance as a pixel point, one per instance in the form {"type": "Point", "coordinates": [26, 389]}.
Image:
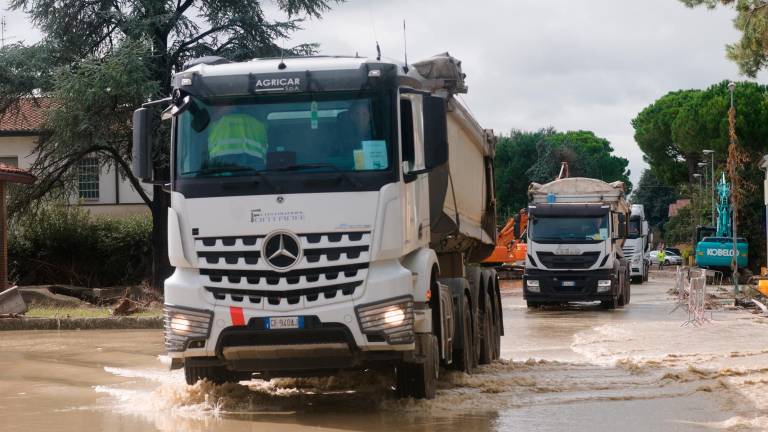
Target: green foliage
{"type": "Point", "coordinates": [674, 130]}
{"type": "Point", "coordinates": [751, 52]}
{"type": "Point", "coordinates": [63, 244]}
{"type": "Point", "coordinates": [515, 155]}
{"type": "Point", "coordinates": [590, 156]}
{"type": "Point", "coordinates": [654, 131]}
{"type": "Point", "coordinates": [681, 227]}
{"type": "Point", "coordinates": [655, 197]}
{"type": "Point", "coordinates": [525, 157]}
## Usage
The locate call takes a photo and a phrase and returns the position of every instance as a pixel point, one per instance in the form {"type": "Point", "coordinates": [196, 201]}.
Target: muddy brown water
{"type": "Point", "coordinates": [577, 368]}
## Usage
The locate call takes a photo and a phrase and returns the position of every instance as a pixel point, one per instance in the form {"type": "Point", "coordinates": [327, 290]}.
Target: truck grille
{"type": "Point", "coordinates": [331, 268]}
{"type": "Point", "coordinates": [583, 261]}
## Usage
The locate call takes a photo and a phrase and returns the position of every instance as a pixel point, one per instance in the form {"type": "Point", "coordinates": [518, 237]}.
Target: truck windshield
{"type": "Point", "coordinates": [333, 132]}
{"type": "Point", "coordinates": [634, 228]}
{"type": "Point", "coordinates": [569, 229]}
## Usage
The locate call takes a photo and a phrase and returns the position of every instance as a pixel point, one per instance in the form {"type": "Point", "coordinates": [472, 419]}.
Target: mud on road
{"type": "Point", "coordinates": [574, 368]}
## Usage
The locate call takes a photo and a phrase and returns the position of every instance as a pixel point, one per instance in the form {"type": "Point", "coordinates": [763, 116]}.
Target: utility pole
{"type": "Point", "coordinates": [712, 184]}
{"type": "Point", "coordinates": [3, 28]}
{"type": "Point", "coordinates": [734, 184]}
{"type": "Point", "coordinates": [2, 32]}
{"type": "Point", "coordinates": [700, 202]}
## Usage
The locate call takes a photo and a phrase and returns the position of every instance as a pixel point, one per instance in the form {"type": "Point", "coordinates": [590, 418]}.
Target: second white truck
{"type": "Point", "coordinates": [638, 244]}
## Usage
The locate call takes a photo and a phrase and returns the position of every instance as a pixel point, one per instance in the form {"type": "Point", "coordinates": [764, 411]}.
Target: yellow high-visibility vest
{"type": "Point", "coordinates": [236, 134]}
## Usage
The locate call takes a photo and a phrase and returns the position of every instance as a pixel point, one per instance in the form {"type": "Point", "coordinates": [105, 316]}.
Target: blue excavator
{"type": "Point", "coordinates": [714, 247]}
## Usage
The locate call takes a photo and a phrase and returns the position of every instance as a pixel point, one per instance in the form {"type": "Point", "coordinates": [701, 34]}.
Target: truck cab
{"type": "Point", "coordinates": [576, 231]}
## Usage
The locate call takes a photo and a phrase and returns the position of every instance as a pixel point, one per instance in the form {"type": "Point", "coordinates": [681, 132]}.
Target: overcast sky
{"type": "Point", "coordinates": [571, 64]}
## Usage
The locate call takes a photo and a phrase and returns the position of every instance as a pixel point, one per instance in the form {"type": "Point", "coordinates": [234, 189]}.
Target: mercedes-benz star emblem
{"type": "Point", "coordinates": [282, 250]}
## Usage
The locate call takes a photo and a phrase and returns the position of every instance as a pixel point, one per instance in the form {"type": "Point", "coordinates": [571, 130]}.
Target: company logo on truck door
{"type": "Point", "coordinates": [259, 216]}
{"type": "Point", "coordinates": [282, 250]}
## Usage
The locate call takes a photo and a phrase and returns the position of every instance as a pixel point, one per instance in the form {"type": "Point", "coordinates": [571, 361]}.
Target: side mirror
{"type": "Point", "coordinates": [622, 225]}
{"type": "Point", "coordinates": [142, 144]}
{"type": "Point", "coordinates": [435, 132]}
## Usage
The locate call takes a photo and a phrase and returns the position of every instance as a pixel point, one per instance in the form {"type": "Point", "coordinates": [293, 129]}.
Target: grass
{"type": "Point", "coordinates": [81, 312]}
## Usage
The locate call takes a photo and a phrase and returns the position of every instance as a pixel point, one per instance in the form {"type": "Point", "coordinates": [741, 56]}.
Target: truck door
{"type": "Point", "coordinates": [416, 188]}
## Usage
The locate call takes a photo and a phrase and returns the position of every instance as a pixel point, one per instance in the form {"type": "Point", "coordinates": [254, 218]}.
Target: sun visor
{"type": "Point", "coordinates": [568, 210]}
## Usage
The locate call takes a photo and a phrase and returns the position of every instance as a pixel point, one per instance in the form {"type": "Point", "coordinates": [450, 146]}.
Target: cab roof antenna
{"type": "Point", "coordinates": [405, 48]}
{"type": "Point", "coordinates": [373, 27]}
{"type": "Point", "coordinates": [282, 65]}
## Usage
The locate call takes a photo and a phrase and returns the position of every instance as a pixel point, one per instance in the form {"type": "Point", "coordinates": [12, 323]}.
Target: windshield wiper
{"type": "Point", "coordinates": [233, 169]}
{"type": "Point", "coordinates": [219, 170]}
{"type": "Point", "coordinates": [342, 174]}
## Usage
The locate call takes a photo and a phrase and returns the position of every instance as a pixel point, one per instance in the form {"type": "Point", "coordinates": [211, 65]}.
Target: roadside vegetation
{"type": "Point", "coordinates": [61, 244]}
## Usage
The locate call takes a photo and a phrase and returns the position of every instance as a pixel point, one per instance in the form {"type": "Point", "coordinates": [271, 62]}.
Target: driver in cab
{"type": "Point", "coordinates": [237, 138]}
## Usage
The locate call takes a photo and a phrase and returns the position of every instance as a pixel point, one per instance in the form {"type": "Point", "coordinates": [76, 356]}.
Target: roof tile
{"type": "Point", "coordinates": [28, 115]}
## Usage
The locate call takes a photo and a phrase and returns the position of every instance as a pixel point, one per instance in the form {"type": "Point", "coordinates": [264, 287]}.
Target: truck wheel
{"type": "Point", "coordinates": [214, 374]}
{"type": "Point", "coordinates": [487, 343]}
{"type": "Point", "coordinates": [419, 380]}
{"type": "Point", "coordinates": [465, 354]}
{"type": "Point", "coordinates": [498, 322]}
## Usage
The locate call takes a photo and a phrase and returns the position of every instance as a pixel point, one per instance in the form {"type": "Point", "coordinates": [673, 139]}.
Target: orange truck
{"type": "Point", "coordinates": [509, 254]}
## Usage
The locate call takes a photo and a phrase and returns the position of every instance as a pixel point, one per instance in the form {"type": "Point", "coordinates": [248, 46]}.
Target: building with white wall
{"type": "Point", "coordinates": [100, 189]}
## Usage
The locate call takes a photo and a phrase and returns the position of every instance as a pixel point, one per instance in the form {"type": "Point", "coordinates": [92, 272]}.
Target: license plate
{"type": "Point", "coordinates": [284, 322]}
{"type": "Point", "coordinates": [568, 283]}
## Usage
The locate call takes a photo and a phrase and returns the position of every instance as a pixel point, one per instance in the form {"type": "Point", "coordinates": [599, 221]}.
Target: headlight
{"type": "Point", "coordinates": [603, 285]}
{"type": "Point", "coordinates": [636, 259]}
{"type": "Point", "coordinates": [182, 324]}
{"type": "Point", "coordinates": [392, 319]}
{"type": "Point", "coordinates": [533, 285]}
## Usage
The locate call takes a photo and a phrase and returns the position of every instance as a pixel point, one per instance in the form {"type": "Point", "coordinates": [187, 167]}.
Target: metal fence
{"type": "Point", "coordinates": [691, 289]}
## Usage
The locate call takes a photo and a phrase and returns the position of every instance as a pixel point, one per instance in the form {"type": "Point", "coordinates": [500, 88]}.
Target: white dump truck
{"type": "Point", "coordinates": [637, 244]}
{"type": "Point", "coordinates": [326, 214]}
{"type": "Point", "coordinates": [576, 230]}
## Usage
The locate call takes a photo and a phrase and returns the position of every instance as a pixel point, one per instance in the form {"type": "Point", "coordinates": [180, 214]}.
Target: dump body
{"type": "Point", "coordinates": [576, 231]}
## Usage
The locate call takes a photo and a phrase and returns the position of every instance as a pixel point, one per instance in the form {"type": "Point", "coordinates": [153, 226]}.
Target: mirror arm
{"type": "Point", "coordinates": [420, 171]}
{"type": "Point", "coordinates": [157, 102]}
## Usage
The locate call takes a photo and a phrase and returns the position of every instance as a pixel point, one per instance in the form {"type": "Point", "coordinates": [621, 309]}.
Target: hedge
{"type": "Point", "coordinates": [66, 245]}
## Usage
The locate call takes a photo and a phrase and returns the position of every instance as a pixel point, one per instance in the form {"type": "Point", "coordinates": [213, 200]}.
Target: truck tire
{"type": "Point", "coordinates": [419, 380]}
{"type": "Point", "coordinates": [487, 332]}
{"type": "Point", "coordinates": [610, 304]}
{"type": "Point", "coordinates": [464, 355]}
{"type": "Point", "coordinates": [215, 374]}
{"type": "Point", "coordinates": [498, 324]}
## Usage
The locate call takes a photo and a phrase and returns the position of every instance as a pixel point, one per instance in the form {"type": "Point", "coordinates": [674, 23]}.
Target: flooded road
{"type": "Point", "coordinates": [578, 369]}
